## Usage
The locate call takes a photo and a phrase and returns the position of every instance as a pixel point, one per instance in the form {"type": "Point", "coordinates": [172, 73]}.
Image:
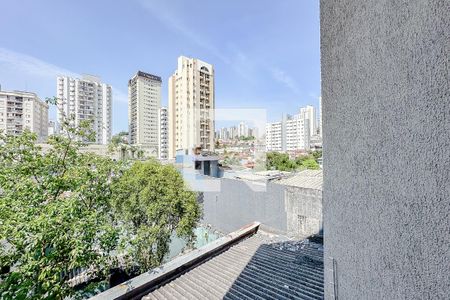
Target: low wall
{"type": "Point", "coordinates": [276, 206]}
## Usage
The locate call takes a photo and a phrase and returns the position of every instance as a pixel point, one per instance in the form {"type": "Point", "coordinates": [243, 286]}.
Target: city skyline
{"type": "Point", "coordinates": [248, 72]}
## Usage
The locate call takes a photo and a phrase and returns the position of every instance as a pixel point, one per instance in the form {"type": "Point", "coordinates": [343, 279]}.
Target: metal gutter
{"type": "Point", "coordinates": [141, 285]}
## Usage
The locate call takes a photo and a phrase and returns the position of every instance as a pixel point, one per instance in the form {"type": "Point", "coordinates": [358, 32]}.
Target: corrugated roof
{"type": "Point", "coordinates": [309, 179]}
{"type": "Point", "coordinates": [258, 267]}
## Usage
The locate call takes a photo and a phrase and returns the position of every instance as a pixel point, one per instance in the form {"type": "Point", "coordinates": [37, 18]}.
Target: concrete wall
{"type": "Point", "coordinates": [276, 206]}
{"type": "Point", "coordinates": [386, 120]}
{"type": "Point", "coordinates": [303, 211]}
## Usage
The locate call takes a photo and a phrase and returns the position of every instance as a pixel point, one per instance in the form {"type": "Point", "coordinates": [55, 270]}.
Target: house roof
{"type": "Point", "coordinates": [245, 264]}
{"type": "Point", "coordinates": [258, 267]}
{"type": "Point", "coordinates": [309, 179]}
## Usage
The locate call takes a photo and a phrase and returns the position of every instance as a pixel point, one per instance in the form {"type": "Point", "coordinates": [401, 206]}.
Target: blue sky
{"type": "Point", "coordinates": [266, 53]}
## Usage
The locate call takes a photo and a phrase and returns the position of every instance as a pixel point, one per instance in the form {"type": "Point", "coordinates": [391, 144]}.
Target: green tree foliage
{"type": "Point", "coordinates": [153, 201]}
{"type": "Point", "coordinates": [63, 210]}
{"type": "Point", "coordinates": [281, 162]}
{"type": "Point", "coordinates": [316, 154]}
{"type": "Point", "coordinates": [54, 214]}
{"type": "Point", "coordinates": [246, 138]}
{"type": "Point", "coordinates": [120, 138]}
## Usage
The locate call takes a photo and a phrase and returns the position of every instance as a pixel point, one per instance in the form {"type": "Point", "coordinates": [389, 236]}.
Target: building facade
{"type": "Point", "coordinates": [191, 106]}
{"type": "Point", "coordinates": [291, 134]}
{"type": "Point", "coordinates": [51, 128]}
{"type": "Point", "coordinates": [308, 113]}
{"type": "Point", "coordinates": [297, 133]}
{"type": "Point", "coordinates": [164, 134]}
{"type": "Point", "coordinates": [144, 103]}
{"type": "Point", "coordinates": [274, 135]}
{"type": "Point", "coordinates": [23, 110]}
{"type": "Point", "coordinates": [85, 99]}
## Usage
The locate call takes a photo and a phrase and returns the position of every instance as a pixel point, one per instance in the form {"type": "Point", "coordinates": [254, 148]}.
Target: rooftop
{"type": "Point", "coordinates": [246, 264]}
{"type": "Point", "coordinates": [308, 179]}
{"type": "Point", "coordinates": [258, 267]}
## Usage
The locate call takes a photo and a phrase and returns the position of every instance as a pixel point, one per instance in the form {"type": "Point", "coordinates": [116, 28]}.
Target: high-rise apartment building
{"type": "Point", "coordinates": [85, 99]}
{"type": "Point", "coordinates": [23, 110]}
{"type": "Point", "coordinates": [293, 133]}
{"type": "Point", "coordinates": [309, 113]}
{"type": "Point", "coordinates": [243, 130]}
{"type": "Point", "coordinates": [144, 102]}
{"type": "Point", "coordinates": [274, 135]}
{"type": "Point", "coordinates": [297, 133]}
{"type": "Point", "coordinates": [191, 106]}
{"type": "Point", "coordinates": [51, 128]}
{"type": "Point", "coordinates": [163, 134]}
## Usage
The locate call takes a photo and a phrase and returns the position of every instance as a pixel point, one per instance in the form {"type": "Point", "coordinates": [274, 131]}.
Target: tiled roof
{"type": "Point", "coordinates": [310, 179]}
{"type": "Point", "coordinates": [258, 267]}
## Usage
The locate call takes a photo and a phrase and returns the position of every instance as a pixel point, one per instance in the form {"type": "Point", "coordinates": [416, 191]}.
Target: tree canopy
{"type": "Point", "coordinates": [153, 201]}
{"type": "Point", "coordinates": [62, 210]}
{"type": "Point", "coordinates": [282, 162]}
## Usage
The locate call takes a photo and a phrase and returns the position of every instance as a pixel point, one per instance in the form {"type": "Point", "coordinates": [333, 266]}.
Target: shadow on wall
{"type": "Point", "coordinates": [282, 270]}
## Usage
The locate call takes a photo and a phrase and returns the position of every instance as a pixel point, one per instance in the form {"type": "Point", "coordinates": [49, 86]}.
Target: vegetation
{"type": "Point", "coordinates": [153, 202]}
{"type": "Point", "coordinates": [246, 138]}
{"type": "Point", "coordinates": [120, 138]}
{"type": "Point", "coordinates": [119, 143]}
{"type": "Point", "coordinates": [63, 210]}
{"type": "Point", "coordinates": [282, 162]}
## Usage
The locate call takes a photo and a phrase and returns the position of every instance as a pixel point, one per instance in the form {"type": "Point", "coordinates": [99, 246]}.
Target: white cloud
{"type": "Point", "coordinates": [31, 69]}
{"type": "Point", "coordinates": [281, 76]}
{"type": "Point", "coordinates": [29, 65]}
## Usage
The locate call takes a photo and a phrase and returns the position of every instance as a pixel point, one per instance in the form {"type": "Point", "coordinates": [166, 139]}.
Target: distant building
{"type": "Point", "coordinates": [274, 136]}
{"type": "Point", "coordinates": [20, 110]}
{"type": "Point", "coordinates": [293, 133]}
{"type": "Point", "coordinates": [243, 130]}
{"type": "Point", "coordinates": [144, 102]}
{"type": "Point", "coordinates": [163, 134]}
{"type": "Point", "coordinates": [308, 113]}
{"type": "Point", "coordinates": [233, 132]}
{"type": "Point", "coordinates": [191, 106]}
{"type": "Point", "coordinates": [297, 134]}
{"type": "Point", "coordinates": [51, 128]}
{"type": "Point", "coordinates": [85, 99]}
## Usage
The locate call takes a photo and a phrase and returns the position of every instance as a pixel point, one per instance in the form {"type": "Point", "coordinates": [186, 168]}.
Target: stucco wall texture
{"type": "Point", "coordinates": [276, 206]}
{"type": "Point", "coordinates": [386, 120]}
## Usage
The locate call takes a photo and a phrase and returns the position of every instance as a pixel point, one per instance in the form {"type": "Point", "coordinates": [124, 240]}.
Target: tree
{"type": "Point", "coordinates": [279, 161]}
{"type": "Point", "coordinates": [54, 214]}
{"type": "Point", "coordinates": [120, 138]}
{"type": "Point", "coordinates": [310, 164]}
{"type": "Point", "coordinates": [59, 213]}
{"type": "Point", "coordinates": [153, 201]}
{"type": "Point", "coordinates": [316, 154]}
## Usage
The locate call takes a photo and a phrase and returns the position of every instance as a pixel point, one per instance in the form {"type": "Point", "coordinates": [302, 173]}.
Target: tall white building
{"type": "Point", "coordinates": [21, 110]}
{"type": "Point", "coordinates": [164, 134]}
{"type": "Point", "coordinates": [144, 102]}
{"type": "Point", "coordinates": [51, 128]}
{"type": "Point", "coordinates": [293, 133]}
{"type": "Point", "coordinates": [191, 106]}
{"type": "Point", "coordinates": [309, 113]}
{"type": "Point", "coordinates": [297, 133]}
{"type": "Point", "coordinates": [85, 99]}
{"type": "Point", "coordinates": [243, 129]}
{"type": "Point", "coordinates": [274, 136]}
